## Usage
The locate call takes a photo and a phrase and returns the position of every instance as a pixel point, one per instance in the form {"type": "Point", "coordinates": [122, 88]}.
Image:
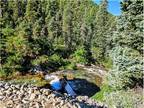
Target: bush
{"type": "Point", "coordinates": [15, 50]}
{"type": "Point", "coordinates": [55, 62]}
{"type": "Point", "coordinates": [100, 95]}
{"type": "Point", "coordinates": [107, 63]}
{"type": "Point", "coordinates": [7, 31]}
{"type": "Point", "coordinates": [123, 99]}
{"type": "Point", "coordinates": [12, 64]}
{"type": "Point", "coordinates": [70, 66]}
{"type": "Point", "coordinates": [96, 52]}
{"type": "Point", "coordinates": [62, 51]}
{"type": "Point", "coordinates": [2, 73]}
{"type": "Point", "coordinates": [40, 60]}
{"type": "Point", "coordinates": [56, 59]}
{"type": "Point", "coordinates": [79, 56]}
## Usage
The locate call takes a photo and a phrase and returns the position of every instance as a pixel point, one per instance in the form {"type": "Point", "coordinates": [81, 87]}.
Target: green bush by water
{"type": "Point", "coordinates": [100, 95]}
{"type": "Point", "coordinates": [79, 56]}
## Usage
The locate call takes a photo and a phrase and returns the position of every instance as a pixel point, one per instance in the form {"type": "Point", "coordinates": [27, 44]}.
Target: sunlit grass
{"type": "Point", "coordinates": [36, 80]}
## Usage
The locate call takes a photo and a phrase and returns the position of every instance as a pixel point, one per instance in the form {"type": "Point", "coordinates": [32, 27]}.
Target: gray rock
{"type": "Point", "coordinates": [57, 102]}
{"type": "Point", "coordinates": [19, 106]}
{"type": "Point", "coordinates": [6, 86]}
{"type": "Point", "coordinates": [25, 101]}
{"type": "Point", "coordinates": [27, 96]}
{"type": "Point", "coordinates": [1, 97]}
{"type": "Point", "coordinates": [62, 103]}
{"type": "Point", "coordinates": [32, 96]}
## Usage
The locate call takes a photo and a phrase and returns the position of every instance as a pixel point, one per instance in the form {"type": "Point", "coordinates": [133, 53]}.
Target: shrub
{"type": "Point", "coordinates": [56, 59]}
{"type": "Point", "coordinates": [62, 51]}
{"type": "Point", "coordinates": [7, 31]}
{"type": "Point", "coordinates": [100, 95]}
{"type": "Point", "coordinates": [79, 56]}
{"type": "Point", "coordinates": [96, 52]}
{"type": "Point", "coordinates": [123, 99]}
{"type": "Point", "coordinates": [40, 60]}
{"type": "Point", "coordinates": [2, 73]}
{"type": "Point", "coordinates": [71, 66]}
{"type": "Point", "coordinates": [55, 62]}
{"type": "Point", "coordinates": [107, 63]}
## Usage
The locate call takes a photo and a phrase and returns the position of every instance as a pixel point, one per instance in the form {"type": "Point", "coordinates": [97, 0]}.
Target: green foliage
{"type": "Point", "coordinates": [96, 52]}
{"type": "Point", "coordinates": [129, 28]}
{"type": "Point", "coordinates": [55, 58]}
{"type": "Point", "coordinates": [15, 49]}
{"type": "Point", "coordinates": [7, 31]}
{"type": "Point", "coordinates": [101, 35]}
{"type": "Point", "coordinates": [70, 66]}
{"type": "Point", "coordinates": [79, 56]}
{"type": "Point", "coordinates": [3, 73]}
{"type": "Point", "coordinates": [107, 63]}
{"type": "Point", "coordinates": [123, 99]}
{"type": "Point", "coordinates": [100, 95]}
{"type": "Point", "coordinates": [47, 33]}
{"type": "Point", "coordinates": [40, 60]}
{"type": "Point", "coordinates": [54, 62]}
{"type": "Point", "coordinates": [126, 55]}
{"type": "Point", "coordinates": [127, 67]}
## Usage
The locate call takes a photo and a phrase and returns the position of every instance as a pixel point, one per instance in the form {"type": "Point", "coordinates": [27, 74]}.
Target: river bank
{"type": "Point", "coordinates": [28, 96]}
{"type": "Point", "coordinates": [32, 91]}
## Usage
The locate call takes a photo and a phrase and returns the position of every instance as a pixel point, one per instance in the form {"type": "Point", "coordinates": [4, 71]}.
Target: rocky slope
{"type": "Point", "coordinates": [28, 96]}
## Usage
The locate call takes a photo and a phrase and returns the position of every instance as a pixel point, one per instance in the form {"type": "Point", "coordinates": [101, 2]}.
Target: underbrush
{"type": "Point", "coordinates": [107, 63]}
{"type": "Point", "coordinates": [124, 99]}
{"type": "Point", "coordinates": [100, 95]}
{"type": "Point", "coordinates": [119, 98]}
{"type": "Point", "coordinates": [36, 80]}
{"type": "Point", "coordinates": [79, 56]}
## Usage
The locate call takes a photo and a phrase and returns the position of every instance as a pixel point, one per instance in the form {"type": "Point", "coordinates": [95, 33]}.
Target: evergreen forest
{"type": "Point", "coordinates": [56, 35]}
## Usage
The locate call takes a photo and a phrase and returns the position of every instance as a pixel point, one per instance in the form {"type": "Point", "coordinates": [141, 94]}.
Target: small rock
{"type": "Point", "coordinates": [61, 103]}
{"type": "Point", "coordinates": [56, 103]}
{"type": "Point", "coordinates": [2, 105]}
{"type": "Point", "coordinates": [37, 92]}
{"type": "Point", "coordinates": [19, 106]}
{"type": "Point", "coordinates": [32, 97]}
{"type": "Point", "coordinates": [1, 97]}
{"type": "Point", "coordinates": [46, 92]}
{"type": "Point", "coordinates": [10, 103]}
{"type": "Point", "coordinates": [25, 101]}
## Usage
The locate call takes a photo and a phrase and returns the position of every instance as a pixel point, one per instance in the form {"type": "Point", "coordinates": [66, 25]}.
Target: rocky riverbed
{"type": "Point", "coordinates": [28, 96]}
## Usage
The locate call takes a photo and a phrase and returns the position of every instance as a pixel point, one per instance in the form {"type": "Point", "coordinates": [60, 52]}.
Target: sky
{"type": "Point", "coordinates": [113, 6]}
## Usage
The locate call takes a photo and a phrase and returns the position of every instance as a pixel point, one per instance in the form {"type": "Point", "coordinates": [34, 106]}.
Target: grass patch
{"type": "Point", "coordinates": [36, 80]}
{"type": "Point", "coordinates": [100, 95]}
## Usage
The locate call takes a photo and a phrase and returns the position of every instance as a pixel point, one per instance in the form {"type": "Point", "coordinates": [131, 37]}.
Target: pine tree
{"type": "Point", "coordinates": [132, 32]}
{"type": "Point", "coordinates": [126, 54]}
{"type": "Point", "coordinates": [53, 19]}
{"type": "Point", "coordinates": [7, 29]}
{"type": "Point", "coordinates": [87, 34]}
{"type": "Point", "coordinates": [41, 26]}
{"type": "Point", "coordinates": [102, 27]}
{"type": "Point", "coordinates": [67, 26]}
